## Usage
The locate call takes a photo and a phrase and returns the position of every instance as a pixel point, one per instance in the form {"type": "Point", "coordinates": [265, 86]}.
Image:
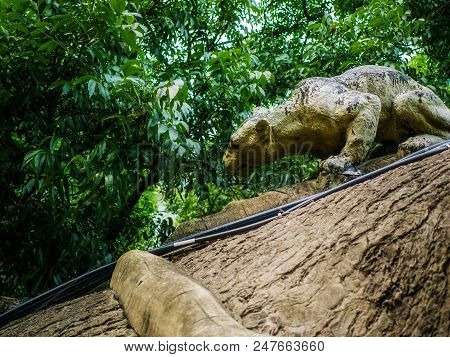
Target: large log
{"type": "Point", "coordinates": [161, 300]}
{"type": "Point", "coordinates": [368, 261]}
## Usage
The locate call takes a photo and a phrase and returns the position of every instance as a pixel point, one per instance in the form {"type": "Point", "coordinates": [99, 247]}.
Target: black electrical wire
{"type": "Point", "coordinates": [69, 290]}
{"type": "Point", "coordinates": [86, 282]}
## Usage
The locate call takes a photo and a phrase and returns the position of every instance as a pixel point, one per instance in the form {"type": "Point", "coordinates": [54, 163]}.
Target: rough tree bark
{"type": "Point", "coordinates": [97, 314]}
{"type": "Point", "coordinates": [370, 260]}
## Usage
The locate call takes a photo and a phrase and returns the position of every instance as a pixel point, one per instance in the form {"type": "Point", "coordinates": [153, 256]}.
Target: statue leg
{"type": "Point", "coordinates": [360, 133]}
{"type": "Point", "coordinates": [424, 113]}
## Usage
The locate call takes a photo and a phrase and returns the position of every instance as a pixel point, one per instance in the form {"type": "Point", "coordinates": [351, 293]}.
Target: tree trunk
{"type": "Point", "coordinates": [371, 260]}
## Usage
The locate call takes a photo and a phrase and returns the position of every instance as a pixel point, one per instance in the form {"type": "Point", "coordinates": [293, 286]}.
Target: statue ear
{"type": "Point", "coordinates": [262, 126]}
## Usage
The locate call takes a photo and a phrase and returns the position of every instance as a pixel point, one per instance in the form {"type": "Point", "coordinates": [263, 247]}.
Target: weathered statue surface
{"type": "Point", "coordinates": [339, 118]}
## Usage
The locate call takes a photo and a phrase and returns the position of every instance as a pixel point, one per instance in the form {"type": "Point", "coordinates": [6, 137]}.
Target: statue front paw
{"type": "Point", "coordinates": [340, 164]}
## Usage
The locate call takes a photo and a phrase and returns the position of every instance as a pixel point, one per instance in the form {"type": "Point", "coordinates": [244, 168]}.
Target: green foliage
{"type": "Point", "coordinates": [77, 96]}
{"type": "Point", "coordinates": [188, 205]}
{"type": "Point", "coordinates": [98, 95]}
{"type": "Point", "coordinates": [284, 172]}
{"type": "Point", "coordinates": [148, 226]}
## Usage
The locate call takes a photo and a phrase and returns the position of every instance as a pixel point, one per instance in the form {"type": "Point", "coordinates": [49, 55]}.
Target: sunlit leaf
{"type": "Point", "coordinates": [173, 90]}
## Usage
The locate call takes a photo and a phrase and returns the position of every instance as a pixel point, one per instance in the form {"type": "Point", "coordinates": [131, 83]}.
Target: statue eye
{"type": "Point", "coordinates": [234, 146]}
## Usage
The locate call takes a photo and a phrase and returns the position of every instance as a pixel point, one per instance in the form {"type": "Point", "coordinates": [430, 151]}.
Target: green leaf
{"type": "Point", "coordinates": [101, 148]}
{"type": "Point", "coordinates": [55, 143]}
{"type": "Point", "coordinates": [162, 128]}
{"type": "Point", "coordinates": [103, 91]}
{"type": "Point", "coordinates": [29, 156]}
{"type": "Point", "coordinates": [179, 82]}
{"type": "Point", "coordinates": [184, 125]}
{"type": "Point", "coordinates": [173, 90]}
{"type": "Point", "coordinates": [186, 109]}
{"type": "Point", "coordinates": [109, 180]}
{"type": "Point", "coordinates": [181, 151]}
{"type": "Point", "coordinates": [66, 88]}
{"type": "Point", "coordinates": [91, 87]}
{"type": "Point", "coordinates": [193, 145]}
{"type": "Point", "coordinates": [82, 79]}
{"type": "Point", "coordinates": [48, 46]}
{"type": "Point", "coordinates": [39, 160]}
{"type": "Point", "coordinates": [29, 186]}
{"type": "Point", "coordinates": [118, 6]}
{"type": "Point", "coordinates": [268, 75]}
{"type": "Point", "coordinates": [173, 134]}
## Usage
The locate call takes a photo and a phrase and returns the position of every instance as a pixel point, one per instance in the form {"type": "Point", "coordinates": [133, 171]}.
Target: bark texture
{"type": "Point", "coordinates": [7, 303]}
{"type": "Point", "coordinates": [161, 300]}
{"type": "Point", "coordinates": [97, 314]}
{"type": "Point", "coordinates": [368, 261]}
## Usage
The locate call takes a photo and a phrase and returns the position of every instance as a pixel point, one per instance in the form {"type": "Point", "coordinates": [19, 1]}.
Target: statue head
{"type": "Point", "coordinates": [250, 145]}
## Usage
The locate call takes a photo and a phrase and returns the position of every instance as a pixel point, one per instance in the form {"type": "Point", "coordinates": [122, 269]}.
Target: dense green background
{"type": "Point", "coordinates": [88, 88]}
